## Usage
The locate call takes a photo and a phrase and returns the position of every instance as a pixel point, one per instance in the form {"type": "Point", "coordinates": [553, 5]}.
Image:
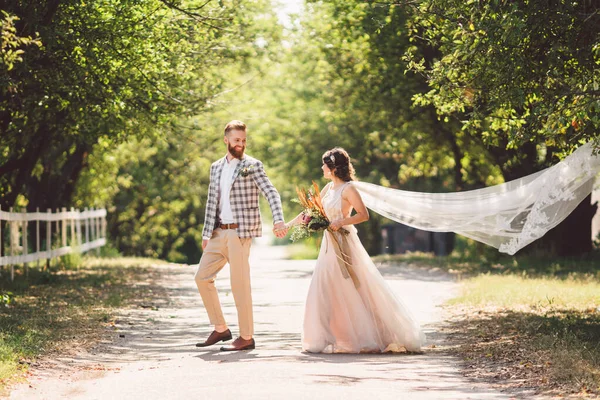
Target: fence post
{"type": "Point", "coordinates": [25, 242]}
{"type": "Point", "coordinates": [49, 238]}
{"type": "Point", "coordinates": [37, 235]}
{"type": "Point", "coordinates": [14, 235]}
{"type": "Point", "coordinates": [92, 226]}
{"type": "Point", "coordinates": [64, 227]}
{"type": "Point", "coordinates": [72, 224]}
{"type": "Point", "coordinates": [78, 225]}
{"type": "Point", "coordinates": [104, 227]}
{"type": "Point", "coordinates": [97, 222]}
{"type": "Point", "coordinates": [87, 226]}
{"type": "Point", "coordinates": [97, 233]}
{"type": "Point", "coordinates": [58, 234]}
{"type": "Point", "coordinates": [99, 230]}
{"type": "Point", "coordinates": [12, 248]}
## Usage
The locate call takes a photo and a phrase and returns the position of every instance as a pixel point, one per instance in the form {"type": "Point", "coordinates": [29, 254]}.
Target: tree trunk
{"type": "Point", "coordinates": [23, 174]}
{"type": "Point", "coordinates": [571, 237]}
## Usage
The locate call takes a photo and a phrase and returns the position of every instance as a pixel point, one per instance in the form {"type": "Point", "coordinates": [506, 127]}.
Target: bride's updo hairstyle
{"type": "Point", "coordinates": [337, 159]}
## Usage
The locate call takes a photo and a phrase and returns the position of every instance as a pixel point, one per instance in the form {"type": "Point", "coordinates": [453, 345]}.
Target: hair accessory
{"type": "Point", "coordinates": [332, 158]}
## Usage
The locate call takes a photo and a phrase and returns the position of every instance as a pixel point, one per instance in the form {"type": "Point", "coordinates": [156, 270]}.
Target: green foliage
{"type": "Point", "coordinates": [157, 208]}
{"type": "Point", "coordinates": [470, 258]}
{"type": "Point", "coordinates": [124, 104]}
{"type": "Point", "coordinates": [99, 115]}
{"type": "Point", "coordinates": [5, 298]}
{"type": "Point", "coordinates": [369, 102]}
{"type": "Point", "coordinates": [11, 44]}
{"type": "Point", "coordinates": [340, 81]}
{"type": "Point", "coordinates": [107, 71]}
{"type": "Point", "coordinates": [514, 72]}
{"type": "Point", "coordinates": [155, 188]}
{"type": "Point", "coordinates": [299, 234]}
{"type": "Point", "coordinates": [443, 96]}
{"type": "Point", "coordinates": [522, 78]}
{"type": "Point", "coordinates": [109, 251]}
{"type": "Point", "coordinates": [70, 261]}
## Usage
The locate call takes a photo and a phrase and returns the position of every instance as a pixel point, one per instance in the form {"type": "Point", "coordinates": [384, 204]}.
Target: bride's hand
{"type": "Point", "coordinates": [335, 225]}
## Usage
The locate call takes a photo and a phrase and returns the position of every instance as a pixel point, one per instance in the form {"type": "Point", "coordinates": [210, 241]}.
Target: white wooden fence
{"type": "Point", "coordinates": [66, 232]}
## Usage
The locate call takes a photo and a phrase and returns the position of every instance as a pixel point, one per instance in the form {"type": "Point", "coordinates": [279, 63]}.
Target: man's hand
{"type": "Point", "coordinates": [280, 230]}
{"type": "Point", "coordinates": [204, 244]}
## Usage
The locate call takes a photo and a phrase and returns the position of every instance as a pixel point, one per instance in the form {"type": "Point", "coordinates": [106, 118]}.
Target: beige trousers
{"type": "Point", "coordinates": [225, 246]}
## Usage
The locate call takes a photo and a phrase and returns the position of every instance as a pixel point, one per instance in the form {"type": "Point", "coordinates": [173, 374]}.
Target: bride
{"type": "Point", "coordinates": [349, 307]}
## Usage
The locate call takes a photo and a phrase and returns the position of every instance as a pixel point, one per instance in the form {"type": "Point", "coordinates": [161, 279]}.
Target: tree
{"type": "Point", "coordinates": [154, 187]}
{"type": "Point", "coordinates": [106, 70]}
{"type": "Point", "coordinates": [523, 78]}
{"type": "Point", "coordinates": [444, 96]}
{"type": "Point", "coordinates": [352, 90]}
{"type": "Point", "coordinates": [11, 45]}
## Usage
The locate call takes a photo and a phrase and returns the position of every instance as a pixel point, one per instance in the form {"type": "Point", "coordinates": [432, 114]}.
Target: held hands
{"type": "Point", "coordinates": [280, 230]}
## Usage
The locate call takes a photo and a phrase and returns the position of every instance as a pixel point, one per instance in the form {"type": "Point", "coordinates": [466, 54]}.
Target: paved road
{"type": "Point", "coordinates": [156, 358]}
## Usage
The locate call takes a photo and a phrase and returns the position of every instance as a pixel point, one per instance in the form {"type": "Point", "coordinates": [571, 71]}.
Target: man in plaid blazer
{"type": "Point", "coordinates": [232, 220]}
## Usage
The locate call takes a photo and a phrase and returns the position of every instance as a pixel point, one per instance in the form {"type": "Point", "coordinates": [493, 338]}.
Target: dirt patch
{"type": "Point", "coordinates": [54, 316]}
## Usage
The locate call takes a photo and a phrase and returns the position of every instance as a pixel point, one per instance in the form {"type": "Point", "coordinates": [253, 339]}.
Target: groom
{"type": "Point", "coordinates": [232, 220]}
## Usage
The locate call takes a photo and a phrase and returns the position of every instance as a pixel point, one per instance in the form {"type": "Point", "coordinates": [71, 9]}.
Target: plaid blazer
{"type": "Point", "coordinates": [249, 179]}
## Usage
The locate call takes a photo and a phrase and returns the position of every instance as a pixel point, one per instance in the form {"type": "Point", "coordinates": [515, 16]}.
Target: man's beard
{"type": "Point", "coordinates": [236, 152]}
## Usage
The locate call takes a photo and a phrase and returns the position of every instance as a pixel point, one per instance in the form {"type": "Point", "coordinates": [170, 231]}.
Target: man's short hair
{"type": "Point", "coordinates": [235, 125]}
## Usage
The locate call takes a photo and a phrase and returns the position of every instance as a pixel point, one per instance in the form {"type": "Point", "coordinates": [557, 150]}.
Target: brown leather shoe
{"type": "Point", "coordinates": [216, 337]}
{"type": "Point", "coordinates": [240, 344]}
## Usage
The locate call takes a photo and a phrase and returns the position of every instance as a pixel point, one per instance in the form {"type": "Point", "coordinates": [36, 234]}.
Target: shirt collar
{"type": "Point", "coordinates": [233, 160]}
{"type": "Point", "coordinates": [232, 163]}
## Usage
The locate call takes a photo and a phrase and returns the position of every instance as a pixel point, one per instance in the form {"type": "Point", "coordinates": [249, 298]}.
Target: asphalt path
{"type": "Point", "coordinates": [151, 351]}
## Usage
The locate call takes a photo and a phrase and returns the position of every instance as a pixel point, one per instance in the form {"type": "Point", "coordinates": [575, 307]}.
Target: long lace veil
{"type": "Point", "coordinates": [507, 216]}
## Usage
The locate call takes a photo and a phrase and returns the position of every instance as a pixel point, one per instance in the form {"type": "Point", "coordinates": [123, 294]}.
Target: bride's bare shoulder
{"type": "Point", "coordinates": [349, 188]}
{"type": "Point", "coordinates": [350, 193]}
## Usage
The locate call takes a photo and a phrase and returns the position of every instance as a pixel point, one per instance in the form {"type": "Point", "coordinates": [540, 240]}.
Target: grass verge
{"type": "Point", "coordinates": [51, 312]}
{"type": "Point", "coordinates": [535, 333]}
{"type": "Point", "coordinates": [471, 263]}
{"type": "Point", "coordinates": [523, 322]}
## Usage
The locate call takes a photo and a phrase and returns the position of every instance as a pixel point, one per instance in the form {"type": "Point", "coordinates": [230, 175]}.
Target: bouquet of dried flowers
{"type": "Point", "coordinates": [313, 219]}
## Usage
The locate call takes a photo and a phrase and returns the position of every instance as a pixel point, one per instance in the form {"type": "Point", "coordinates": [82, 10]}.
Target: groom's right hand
{"type": "Point", "coordinates": [204, 244]}
{"type": "Point", "coordinates": [280, 230]}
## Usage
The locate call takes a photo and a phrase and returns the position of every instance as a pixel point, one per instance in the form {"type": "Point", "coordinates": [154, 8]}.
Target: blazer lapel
{"type": "Point", "coordinates": [238, 168]}
{"type": "Point", "coordinates": [218, 176]}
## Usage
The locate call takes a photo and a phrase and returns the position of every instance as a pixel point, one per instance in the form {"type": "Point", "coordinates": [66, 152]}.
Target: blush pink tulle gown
{"type": "Point", "coordinates": [341, 318]}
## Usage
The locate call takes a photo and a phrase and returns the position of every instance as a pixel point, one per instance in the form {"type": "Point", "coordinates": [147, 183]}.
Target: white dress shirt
{"type": "Point", "coordinates": [225, 213]}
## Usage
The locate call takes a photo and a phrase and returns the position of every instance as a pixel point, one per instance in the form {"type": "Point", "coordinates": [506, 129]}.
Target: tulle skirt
{"type": "Point", "coordinates": [342, 318]}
